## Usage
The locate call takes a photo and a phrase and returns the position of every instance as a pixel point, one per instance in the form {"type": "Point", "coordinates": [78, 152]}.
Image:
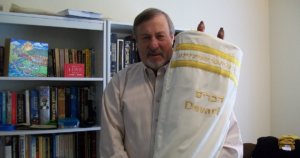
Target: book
{"type": "Point", "coordinates": [67, 102]}
{"type": "Point", "coordinates": [21, 108]}
{"type": "Point", "coordinates": [127, 52]}
{"type": "Point", "coordinates": [120, 54]}
{"type": "Point", "coordinates": [113, 54]}
{"type": "Point", "coordinates": [61, 109]}
{"type": "Point", "coordinates": [33, 146]}
{"type": "Point", "coordinates": [74, 102]}
{"type": "Point", "coordinates": [34, 107]}
{"type": "Point", "coordinates": [1, 107]}
{"type": "Point", "coordinates": [8, 147]}
{"type": "Point", "coordinates": [74, 70]}
{"type": "Point", "coordinates": [22, 146]}
{"type": "Point", "coordinates": [44, 104]}
{"type": "Point", "coordinates": [11, 108]}
{"type": "Point", "coordinates": [56, 63]}
{"type": "Point", "coordinates": [24, 58]}
{"type": "Point", "coordinates": [80, 14]}
{"type": "Point", "coordinates": [4, 107]}
{"type": "Point", "coordinates": [61, 61]}
{"type": "Point", "coordinates": [1, 61]}
{"type": "Point", "coordinates": [2, 144]}
{"type": "Point", "coordinates": [51, 70]}
{"type": "Point", "coordinates": [53, 105]}
{"type": "Point", "coordinates": [87, 62]}
{"type": "Point", "coordinates": [27, 107]}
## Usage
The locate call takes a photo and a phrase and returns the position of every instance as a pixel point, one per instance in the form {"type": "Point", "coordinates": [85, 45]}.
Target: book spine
{"type": "Point", "coordinates": [15, 146]}
{"type": "Point", "coordinates": [53, 104]}
{"type": "Point", "coordinates": [34, 107]}
{"type": "Point", "coordinates": [8, 147]}
{"type": "Point", "coordinates": [61, 103]}
{"type": "Point", "coordinates": [73, 102]}
{"type": "Point", "coordinates": [44, 108]}
{"type": "Point", "coordinates": [1, 108]}
{"type": "Point", "coordinates": [120, 54]}
{"type": "Point", "coordinates": [70, 52]}
{"type": "Point", "coordinates": [2, 145]}
{"type": "Point", "coordinates": [127, 49]}
{"type": "Point", "coordinates": [67, 102]}
{"type": "Point", "coordinates": [54, 62]}
{"type": "Point", "coordinates": [79, 57]}
{"type": "Point", "coordinates": [27, 107]}
{"type": "Point", "coordinates": [1, 61]}
{"type": "Point", "coordinates": [88, 72]}
{"type": "Point", "coordinates": [22, 146]}
{"type": "Point", "coordinates": [6, 56]}
{"type": "Point", "coordinates": [50, 63]}
{"type": "Point", "coordinates": [33, 146]}
{"type": "Point", "coordinates": [4, 107]}
{"type": "Point", "coordinates": [61, 61]}
{"type": "Point", "coordinates": [21, 112]}
{"type": "Point", "coordinates": [93, 62]}
{"type": "Point", "coordinates": [13, 108]}
{"type": "Point", "coordinates": [75, 55]}
{"type": "Point", "coordinates": [57, 63]}
{"type": "Point", "coordinates": [41, 144]}
{"type": "Point", "coordinates": [53, 146]}
{"type": "Point", "coordinates": [66, 56]}
{"type": "Point", "coordinates": [9, 108]}
{"type": "Point", "coordinates": [113, 57]}
{"type": "Point", "coordinates": [57, 146]}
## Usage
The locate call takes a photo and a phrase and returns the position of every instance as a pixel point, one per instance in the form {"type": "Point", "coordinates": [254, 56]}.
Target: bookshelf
{"type": "Point", "coordinates": [58, 32]}
{"type": "Point", "coordinates": [121, 30]}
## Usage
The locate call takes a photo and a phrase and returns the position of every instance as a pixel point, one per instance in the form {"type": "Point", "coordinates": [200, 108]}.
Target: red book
{"type": "Point", "coordinates": [74, 70]}
{"type": "Point", "coordinates": [13, 108]}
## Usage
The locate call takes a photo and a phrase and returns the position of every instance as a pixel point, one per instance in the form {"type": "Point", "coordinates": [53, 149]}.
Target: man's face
{"type": "Point", "coordinates": [154, 42]}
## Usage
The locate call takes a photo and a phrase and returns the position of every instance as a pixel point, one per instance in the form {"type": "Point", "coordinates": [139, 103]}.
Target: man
{"type": "Point", "coordinates": [131, 99]}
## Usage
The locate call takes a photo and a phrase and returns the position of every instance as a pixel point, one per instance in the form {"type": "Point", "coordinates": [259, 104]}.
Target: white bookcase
{"type": "Point", "coordinates": [58, 32]}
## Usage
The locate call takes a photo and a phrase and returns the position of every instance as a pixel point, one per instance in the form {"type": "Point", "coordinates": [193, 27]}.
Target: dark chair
{"type": "Point", "coordinates": [248, 149]}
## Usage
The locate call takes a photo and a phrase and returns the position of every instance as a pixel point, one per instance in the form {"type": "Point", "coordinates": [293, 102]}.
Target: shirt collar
{"type": "Point", "coordinates": [149, 72]}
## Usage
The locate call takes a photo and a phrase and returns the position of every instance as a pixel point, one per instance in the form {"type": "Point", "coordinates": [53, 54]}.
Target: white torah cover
{"type": "Point", "coordinates": [198, 97]}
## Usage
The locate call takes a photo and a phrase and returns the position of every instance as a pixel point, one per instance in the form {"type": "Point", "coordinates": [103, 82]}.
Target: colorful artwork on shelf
{"type": "Point", "coordinates": [27, 58]}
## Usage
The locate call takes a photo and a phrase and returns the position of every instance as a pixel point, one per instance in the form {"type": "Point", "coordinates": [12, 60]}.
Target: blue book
{"type": "Point", "coordinates": [74, 102]}
{"type": "Point", "coordinates": [34, 107]}
{"type": "Point", "coordinates": [4, 107]}
{"type": "Point", "coordinates": [53, 145]}
{"type": "Point", "coordinates": [1, 106]}
{"type": "Point", "coordinates": [33, 146]}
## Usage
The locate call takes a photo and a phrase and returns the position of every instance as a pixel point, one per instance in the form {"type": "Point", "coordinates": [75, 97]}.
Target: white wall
{"type": "Point", "coordinates": [285, 61]}
{"type": "Point", "coordinates": [246, 24]}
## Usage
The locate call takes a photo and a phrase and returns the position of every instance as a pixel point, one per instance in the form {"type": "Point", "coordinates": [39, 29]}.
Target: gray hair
{"type": "Point", "coordinates": [148, 14]}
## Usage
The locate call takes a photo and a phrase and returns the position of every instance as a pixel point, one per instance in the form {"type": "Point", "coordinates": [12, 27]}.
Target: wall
{"type": "Point", "coordinates": [245, 22]}
{"type": "Point", "coordinates": [285, 61]}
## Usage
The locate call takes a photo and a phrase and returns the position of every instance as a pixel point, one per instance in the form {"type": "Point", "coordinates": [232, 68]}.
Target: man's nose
{"type": "Point", "coordinates": [154, 43]}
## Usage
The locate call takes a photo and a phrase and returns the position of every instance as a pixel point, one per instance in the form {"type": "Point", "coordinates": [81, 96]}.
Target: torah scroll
{"type": "Point", "coordinates": [198, 97]}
